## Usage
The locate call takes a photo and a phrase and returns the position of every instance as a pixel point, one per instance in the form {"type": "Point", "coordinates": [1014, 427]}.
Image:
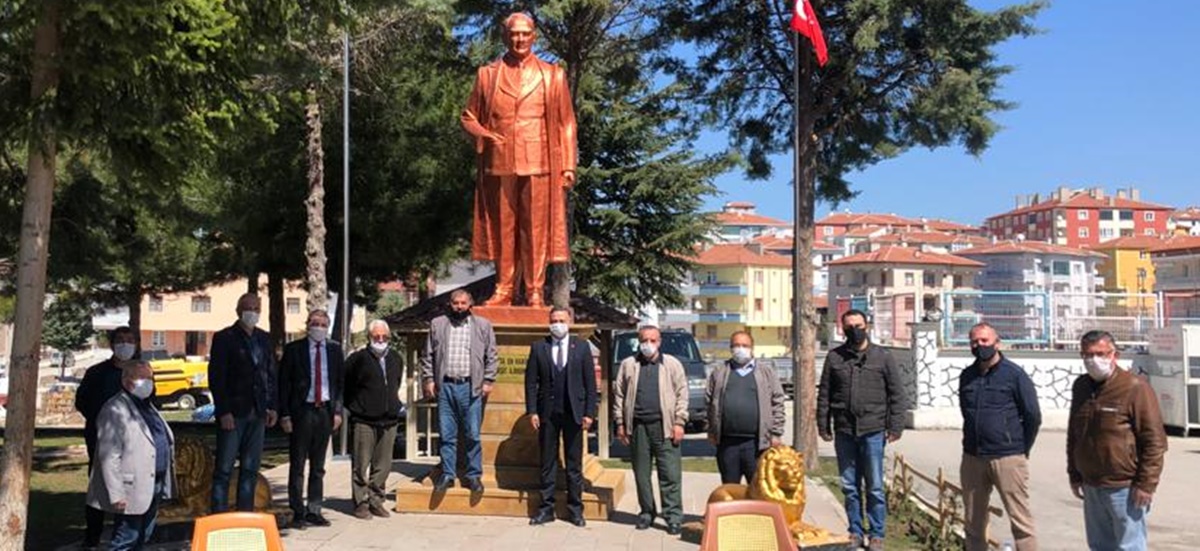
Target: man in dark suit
{"type": "Point", "coordinates": [241, 376]}
{"type": "Point", "coordinates": [310, 409]}
{"type": "Point", "coordinates": [560, 397]}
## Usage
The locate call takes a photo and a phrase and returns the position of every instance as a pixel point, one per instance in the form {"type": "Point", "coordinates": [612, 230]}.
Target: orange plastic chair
{"type": "Point", "coordinates": [745, 525]}
{"type": "Point", "coordinates": [236, 532]}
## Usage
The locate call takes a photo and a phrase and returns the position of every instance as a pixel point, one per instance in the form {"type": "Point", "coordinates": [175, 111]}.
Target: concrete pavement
{"type": "Point", "coordinates": [1058, 513]}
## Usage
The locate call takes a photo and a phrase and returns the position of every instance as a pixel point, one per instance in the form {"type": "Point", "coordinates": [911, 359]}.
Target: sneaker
{"type": "Point", "coordinates": [875, 544]}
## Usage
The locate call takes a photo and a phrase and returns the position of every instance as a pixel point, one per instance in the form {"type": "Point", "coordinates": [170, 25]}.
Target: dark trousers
{"type": "Point", "coordinates": [554, 426]}
{"type": "Point", "coordinates": [311, 427]}
{"type": "Point", "coordinates": [92, 516]}
{"type": "Point", "coordinates": [737, 458]}
{"type": "Point", "coordinates": [649, 445]}
{"type": "Point", "coordinates": [371, 462]}
{"type": "Point", "coordinates": [242, 444]}
{"type": "Point", "coordinates": [131, 532]}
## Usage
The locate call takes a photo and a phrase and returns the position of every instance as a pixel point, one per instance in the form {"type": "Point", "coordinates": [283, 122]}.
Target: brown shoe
{"type": "Point", "coordinates": [379, 511]}
{"type": "Point", "coordinates": [502, 297]}
{"type": "Point", "coordinates": [362, 511]}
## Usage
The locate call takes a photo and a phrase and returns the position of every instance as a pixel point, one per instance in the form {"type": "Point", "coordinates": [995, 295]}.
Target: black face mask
{"type": "Point", "coordinates": [459, 316]}
{"type": "Point", "coordinates": [983, 353]}
{"type": "Point", "coordinates": [855, 335]}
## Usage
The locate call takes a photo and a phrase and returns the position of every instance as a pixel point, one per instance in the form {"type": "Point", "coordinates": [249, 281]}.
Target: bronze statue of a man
{"type": "Point", "coordinates": [523, 123]}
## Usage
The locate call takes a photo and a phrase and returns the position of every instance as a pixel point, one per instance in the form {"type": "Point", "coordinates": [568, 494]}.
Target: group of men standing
{"type": "Point", "coordinates": [1115, 437]}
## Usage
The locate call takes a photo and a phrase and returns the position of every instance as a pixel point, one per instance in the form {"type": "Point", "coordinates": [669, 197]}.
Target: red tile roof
{"type": "Point", "coordinates": [1191, 214]}
{"type": "Point", "coordinates": [949, 226]}
{"type": "Point", "coordinates": [746, 219]}
{"type": "Point", "coordinates": [740, 255]}
{"type": "Point", "coordinates": [905, 255]}
{"type": "Point", "coordinates": [866, 219]}
{"type": "Point", "coordinates": [863, 231]}
{"type": "Point", "coordinates": [776, 243]}
{"type": "Point", "coordinates": [1081, 200]}
{"type": "Point", "coordinates": [929, 237]}
{"type": "Point", "coordinates": [1180, 244]}
{"type": "Point", "coordinates": [1026, 247]}
{"type": "Point", "coordinates": [1134, 242]}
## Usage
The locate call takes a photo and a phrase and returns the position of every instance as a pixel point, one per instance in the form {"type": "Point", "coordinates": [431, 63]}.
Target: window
{"type": "Point", "coordinates": [826, 258]}
{"type": "Point", "coordinates": [293, 305]}
{"type": "Point", "coordinates": [201, 305]}
{"type": "Point", "coordinates": [710, 332]}
{"type": "Point", "coordinates": [1106, 233]}
{"type": "Point", "coordinates": [1106, 215]}
{"type": "Point", "coordinates": [1081, 214]}
{"type": "Point", "coordinates": [158, 340]}
{"type": "Point", "coordinates": [840, 281]}
{"type": "Point", "coordinates": [710, 305]}
{"type": "Point", "coordinates": [1148, 216]}
{"type": "Point", "coordinates": [1149, 231]}
{"type": "Point", "coordinates": [929, 280]}
{"type": "Point", "coordinates": [827, 230]}
{"type": "Point", "coordinates": [1125, 215]}
{"type": "Point", "coordinates": [156, 303]}
{"type": "Point", "coordinates": [758, 276]}
{"type": "Point", "coordinates": [1031, 218]}
{"type": "Point", "coordinates": [1083, 232]}
{"type": "Point", "coordinates": [1061, 268]}
{"type": "Point", "coordinates": [758, 305]}
{"type": "Point", "coordinates": [958, 281]}
{"type": "Point", "coordinates": [710, 278]}
{"type": "Point", "coordinates": [909, 279]}
{"type": "Point", "coordinates": [1076, 268]}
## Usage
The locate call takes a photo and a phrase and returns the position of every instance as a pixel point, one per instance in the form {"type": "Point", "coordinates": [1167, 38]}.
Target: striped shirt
{"type": "Point", "coordinates": [458, 350]}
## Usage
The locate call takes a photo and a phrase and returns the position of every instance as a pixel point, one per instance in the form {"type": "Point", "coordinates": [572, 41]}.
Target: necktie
{"type": "Point", "coordinates": [317, 376]}
{"type": "Point", "coordinates": [558, 355]}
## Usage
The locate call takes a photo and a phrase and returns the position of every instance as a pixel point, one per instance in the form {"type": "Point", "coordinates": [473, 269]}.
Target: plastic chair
{"type": "Point", "coordinates": [745, 525]}
{"type": "Point", "coordinates": [236, 532]}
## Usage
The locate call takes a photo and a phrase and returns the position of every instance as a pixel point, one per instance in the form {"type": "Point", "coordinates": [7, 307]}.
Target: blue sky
{"type": "Point", "coordinates": [1106, 96]}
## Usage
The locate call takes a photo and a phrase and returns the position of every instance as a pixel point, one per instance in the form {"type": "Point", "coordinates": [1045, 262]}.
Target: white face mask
{"type": "Point", "coordinates": [318, 334]}
{"type": "Point", "coordinates": [742, 355]}
{"type": "Point", "coordinates": [124, 350]}
{"type": "Point", "coordinates": [559, 330]}
{"type": "Point", "coordinates": [379, 347]}
{"type": "Point", "coordinates": [648, 349]}
{"type": "Point", "coordinates": [249, 318]}
{"type": "Point", "coordinates": [142, 388]}
{"type": "Point", "coordinates": [1098, 368]}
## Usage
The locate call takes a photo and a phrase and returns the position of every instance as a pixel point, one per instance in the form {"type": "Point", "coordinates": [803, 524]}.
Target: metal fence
{"type": "Point", "coordinates": [1028, 319]}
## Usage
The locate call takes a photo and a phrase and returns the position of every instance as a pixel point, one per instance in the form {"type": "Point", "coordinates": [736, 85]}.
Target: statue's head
{"type": "Point", "coordinates": [780, 469]}
{"type": "Point", "coordinates": [519, 34]}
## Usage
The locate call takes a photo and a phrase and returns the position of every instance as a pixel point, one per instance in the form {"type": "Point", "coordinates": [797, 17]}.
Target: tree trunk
{"type": "Point", "coordinates": [16, 457]}
{"type": "Point", "coordinates": [133, 301]}
{"type": "Point", "coordinates": [277, 312]}
{"type": "Point", "coordinates": [805, 363]}
{"type": "Point", "coordinates": [314, 245]}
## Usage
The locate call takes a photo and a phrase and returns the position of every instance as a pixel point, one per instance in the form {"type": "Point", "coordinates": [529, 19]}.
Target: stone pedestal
{"type": "Point", "coordinates": [511, 455]}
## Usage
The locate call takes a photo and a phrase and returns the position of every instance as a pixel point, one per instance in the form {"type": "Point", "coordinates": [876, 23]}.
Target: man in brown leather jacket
{"type": "Point", "coordinates": [1115, 447]}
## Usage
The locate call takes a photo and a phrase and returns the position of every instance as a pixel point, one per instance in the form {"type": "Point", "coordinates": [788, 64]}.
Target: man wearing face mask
{"type": "Point", "coordinates": [1115, 447]}
{"type": "Point", "coordinates": [1001, 418]}
{"type": "Point", "coordinates": [373, 398]}
{"type": "Point", "coordinates": [100, 383]}
{"type": "Point", "coordinates": [745, 410]}
{"type": "Point", "coordinates": [560, 398]}
{"type": "Point", "coordinates": [310, 410]}
{"type": "Point", "coordinates": [241, 376]}
{"type": "Point", "coordinates": [650, 409]}
{"type": "Point", "coordinates": [861, 407]}
{"type": "Point", "coordinates": [135, 459]}
{"type": "Point", "coordinates": [458, 367]}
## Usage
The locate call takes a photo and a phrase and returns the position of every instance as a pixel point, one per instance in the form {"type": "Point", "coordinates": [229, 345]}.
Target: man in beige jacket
{"type": "Point", "coordinates": [650, 407]}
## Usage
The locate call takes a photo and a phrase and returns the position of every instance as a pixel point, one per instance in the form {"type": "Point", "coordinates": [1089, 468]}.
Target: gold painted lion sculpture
{"type": "Point", "coordinates": [193, 483]}
{"type": "Point", "coordinates": [778, 479]}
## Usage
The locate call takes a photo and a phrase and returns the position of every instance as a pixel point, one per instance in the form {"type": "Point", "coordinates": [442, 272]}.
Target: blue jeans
{"type": "Point", "coordinates": [133, 531]}
{"type": "Point", "coordinates": [860, 462]}
{"type": "Point", "coordinates": [458, 409]}
{"type": "Point", "coordinates": [244, 443]}
{"type": "Point", "coordinates": [1113, 522]}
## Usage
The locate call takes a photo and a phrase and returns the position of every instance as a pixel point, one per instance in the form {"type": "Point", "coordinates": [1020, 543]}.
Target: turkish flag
{"type": "Point", "coordinates": [804, 21]}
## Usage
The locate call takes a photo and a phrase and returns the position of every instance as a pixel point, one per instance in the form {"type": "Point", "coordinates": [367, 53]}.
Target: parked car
{"type": "Point", "coordinates": [785, 369]}
{"type": "Point", "coordinates": [682, 345]}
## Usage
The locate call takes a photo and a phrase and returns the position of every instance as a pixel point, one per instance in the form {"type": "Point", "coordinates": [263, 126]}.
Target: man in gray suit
{"type": "Point", "coordinates": [135, 460]}
{"type": "Point", "coordinates": [458, 366]}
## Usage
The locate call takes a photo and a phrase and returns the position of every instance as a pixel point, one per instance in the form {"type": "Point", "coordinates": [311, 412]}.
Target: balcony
{"type": "Point", "coordinates": [720, 317]}
{"type": "Point", "coordinates": [716, 290]}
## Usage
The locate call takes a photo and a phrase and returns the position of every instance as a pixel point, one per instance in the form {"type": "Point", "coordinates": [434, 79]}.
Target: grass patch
{"type": "Point", "coordinates": [56, 499]}
{"type": "Point", "coordinates": [898, 520]}
{"type": "Point", "coordinates": [688, 464]}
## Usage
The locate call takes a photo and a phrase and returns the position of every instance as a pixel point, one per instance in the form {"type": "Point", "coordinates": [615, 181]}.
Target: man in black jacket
{"type": "Point", "coordinates": [241, 376]}
{"type": "Point", "coordinates": [310, 410]}
{"type": "Point", "coordinates": [101, 382]}
{"type": "Point", "coordinates": [861, 404]}
{"type": "Point", "coordinates": [373, 398]}
{"type": "Point", "coordinates": [560, 397]}
{"type": "Point", "coordinates": [1000, 422]}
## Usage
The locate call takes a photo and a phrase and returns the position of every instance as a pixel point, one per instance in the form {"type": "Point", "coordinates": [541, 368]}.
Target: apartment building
{"type": "Point", "coordinates": [742, 286]}
{"type": "Point", "coordinates": [1080, 217]}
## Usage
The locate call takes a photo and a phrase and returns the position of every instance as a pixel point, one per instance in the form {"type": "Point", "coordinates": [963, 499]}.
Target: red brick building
{"type": "Point", "coordinates": [1080, 217]}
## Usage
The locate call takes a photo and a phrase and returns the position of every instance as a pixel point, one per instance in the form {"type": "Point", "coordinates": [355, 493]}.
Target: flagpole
{"type": "Point", "coordinates": [797, 261]}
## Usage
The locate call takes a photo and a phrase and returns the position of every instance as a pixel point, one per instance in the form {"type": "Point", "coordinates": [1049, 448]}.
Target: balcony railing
{"type": "Point", "coordinates": [712, 290]}
{"type": "Point", "coordinates": [720, 317]}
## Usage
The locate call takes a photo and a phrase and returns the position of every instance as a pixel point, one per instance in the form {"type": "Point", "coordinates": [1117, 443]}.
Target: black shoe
{"type": "Point", "coordinates": [542, 517]}
{"type": "Point", "coordinates": [644, 523]}
{"type": "Point", "coordinates": [579, 521]}
{"type": "Point", "coordinates": [674, 529]}
{"type": "Point", "coordinates": [316, 519]}
{"type": "Point", "coordinates": [475, 485]}
{"type": "Point", "coordinates": [443, 484]}
{"type": "Point", "coordinates": [297, 523]}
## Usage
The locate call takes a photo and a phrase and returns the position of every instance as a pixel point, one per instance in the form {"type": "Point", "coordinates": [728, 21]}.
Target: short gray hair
{"type": "Point", "coordinates": [378, 323]}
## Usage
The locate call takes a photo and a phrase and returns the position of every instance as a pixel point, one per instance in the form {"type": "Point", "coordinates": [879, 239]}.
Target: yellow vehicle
{"type": "Point", "coordinates": [181, 382]}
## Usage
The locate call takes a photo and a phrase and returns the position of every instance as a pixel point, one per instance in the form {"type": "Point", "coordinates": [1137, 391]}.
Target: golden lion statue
{"type": "Point", "coordinates": [193, 483]}
{"type": "Point", "coordinates": [778, 479]}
